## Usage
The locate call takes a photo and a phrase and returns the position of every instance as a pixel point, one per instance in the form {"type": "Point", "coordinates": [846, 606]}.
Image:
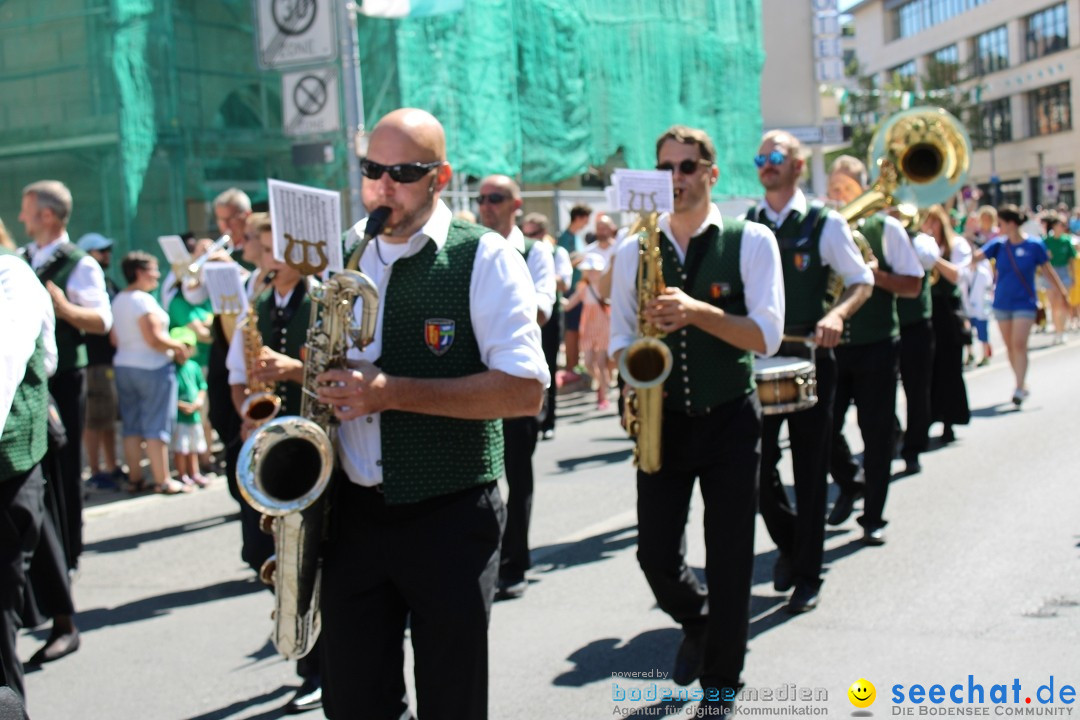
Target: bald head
{"type": "Point", "coordinates": [412, 129]}
{"type": "Point", "coordinates": [499, 202]}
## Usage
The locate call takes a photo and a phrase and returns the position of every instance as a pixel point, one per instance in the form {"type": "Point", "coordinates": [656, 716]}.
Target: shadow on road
{"type": "Point", "coordinates": [582, 552]}
{"type": "Point", "coordinates": [157, 605]}
{"type": "Point", "coordinates": [568, 465]}
{"type": "Point", "coordinates": [230, 710]}
{"type": "Point", "coordinates": [597, 660]}
{"type": "Point", "coordinates": [131, 542]}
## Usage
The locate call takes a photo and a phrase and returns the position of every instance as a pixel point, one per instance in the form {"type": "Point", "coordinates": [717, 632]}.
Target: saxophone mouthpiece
{"type": "Point", "coordinates": [376, 221]}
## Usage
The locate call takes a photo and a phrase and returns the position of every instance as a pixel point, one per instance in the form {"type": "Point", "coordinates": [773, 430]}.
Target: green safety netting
{"type": "Point", "coordinates": [138, 132]}
{"type": "Point", "coordinates": [545, 88]}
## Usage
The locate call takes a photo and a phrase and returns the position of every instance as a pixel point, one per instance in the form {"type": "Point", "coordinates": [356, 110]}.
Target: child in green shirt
{"type": "Point", "coordinates": [188, 439]}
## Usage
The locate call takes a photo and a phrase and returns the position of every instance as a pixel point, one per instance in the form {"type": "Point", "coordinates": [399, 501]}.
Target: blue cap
{"type": "Point", "coordinates": [94, 241]}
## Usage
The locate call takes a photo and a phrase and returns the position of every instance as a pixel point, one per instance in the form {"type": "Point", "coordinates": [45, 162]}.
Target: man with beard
{"type": "Point", "coordinates": [723, 301]}
{"type": "Point", "coordinates": [813, 243]}
{"type": "Point", "coordinates": [417, 518]}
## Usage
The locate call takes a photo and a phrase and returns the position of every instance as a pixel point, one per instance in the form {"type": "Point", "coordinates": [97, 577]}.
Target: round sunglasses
{"type": "Point", "coordinates": [686, 167]}
{"type": "Point", "coordinates": [774, 158]}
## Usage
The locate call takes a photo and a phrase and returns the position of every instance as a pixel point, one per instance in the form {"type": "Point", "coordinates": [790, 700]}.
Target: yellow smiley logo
{"type": "Point", "coordinates": [862, 693]}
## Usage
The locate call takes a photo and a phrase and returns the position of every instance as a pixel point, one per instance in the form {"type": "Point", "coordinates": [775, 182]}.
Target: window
{"type": "Point", "coordinates": [943, 67]}
{"type": "Point", "coordinates": [1049, 109]}
{"type": "Point", "coordinates": [903, 76]}
{"type": "Point", "coordinates": [917, 15]}
{"type": "Point", "coordinates": [992, 51]}
{"type": "Point", "coordinates": [1047, 31]}
{"type": "Point", "coordinates": [993, 123]}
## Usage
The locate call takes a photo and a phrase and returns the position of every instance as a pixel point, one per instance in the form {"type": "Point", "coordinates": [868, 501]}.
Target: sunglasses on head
{"type": "Point", "coordinates": [686, 167]}
{"type": "Point", "coordinates": [774, 158]}
{"type": "Point", "coordinates": [402, 172]}
{"type": "Point", "coordinates": [493, 198]}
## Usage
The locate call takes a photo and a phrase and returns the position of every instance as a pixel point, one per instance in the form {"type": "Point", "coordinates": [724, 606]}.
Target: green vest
{"type": "Point", "coordinates": [876, 320]}
{"type": "Point", "coordinates": [806, 277]}
{"type": "Point", "coordinates": [916, 309]}
{"type": "Point", "coordinates": [25, 435]}
{"type": "Point", "coordinates": [70, 341]}
{"type": "Point", "coordinates": [427, 333]}
{"type": "Point", "coordinates": [291, 340]}
{"type": "Point", "coordinates": [707, 371]}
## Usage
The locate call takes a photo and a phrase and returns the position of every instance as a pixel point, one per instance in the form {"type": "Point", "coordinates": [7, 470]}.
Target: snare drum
{"type": "Point", "coordinates": [785, 384]}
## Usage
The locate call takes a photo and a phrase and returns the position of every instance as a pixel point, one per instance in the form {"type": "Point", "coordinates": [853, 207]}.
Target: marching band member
{"type": "Point", "coordinates": [724, 300]}
{"type": "Point", "coordinates": [812, 241]}
{"type": "Point", "coordinates": [417, 516]}
{"type": "Point", "coordinates": [868, 360]}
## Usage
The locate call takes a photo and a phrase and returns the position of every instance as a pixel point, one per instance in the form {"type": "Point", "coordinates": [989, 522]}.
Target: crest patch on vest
{"type": "Point", "coordinates": [438, 335]}
{"type": "Point", "coordinates": [718, 290]}
{"type": "Point", "coordinates": [802, 261]}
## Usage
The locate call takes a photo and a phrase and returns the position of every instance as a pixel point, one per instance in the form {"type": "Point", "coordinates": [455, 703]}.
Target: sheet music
{"type": "Point", "coordinates": [175, 250]}
{"type": "Point", "coordinates": [306, 225]}
{"type": "Point", "coordinates": [644, 191]}
{"type": "Point", "coordinates": [225, 286]}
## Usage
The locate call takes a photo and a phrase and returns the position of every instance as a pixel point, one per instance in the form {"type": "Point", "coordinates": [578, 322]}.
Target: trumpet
{"type": "Point", "coordinates": [191, 276]}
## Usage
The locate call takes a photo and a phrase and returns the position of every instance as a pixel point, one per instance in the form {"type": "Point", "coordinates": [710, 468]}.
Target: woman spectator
{"type": "Point", "coordinates": [1059, 248]}
{"type": "Point", "coordinates": [1016, 257]}
{"type": "Point", "coordinates": [595, 324]}
{"type": "Point", "coordinates": [145, 373]}
{"type": "Point", "coordinates": [948, 393]}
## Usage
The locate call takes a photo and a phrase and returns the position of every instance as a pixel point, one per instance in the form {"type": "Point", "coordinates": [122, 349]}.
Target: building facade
{"type": "Point", "coordinates": [1019, 64]}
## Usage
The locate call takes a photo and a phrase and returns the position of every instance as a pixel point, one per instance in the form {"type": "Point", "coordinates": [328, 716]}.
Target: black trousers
{"type": "Point", "coordinates": [550, 339]}
{"type": "Point", "coordinates": [722, 450]}
{"type": "Point", "coordinates": [519, 438]}
{"type": "Point", "coordinates": [432, 565]}
{"type": "Point", "coordinates": [50, 586]}
{"type": "Point", "coordinates": [69, 391]}
{"type": "Point", "coordinates": [799, 533]}
{"type": "Point", "coordinates": [22, 510]}
{"type": "Point", "coordinates": [867, 376]}
{"type": "Point", "coordinates": [916, 368]}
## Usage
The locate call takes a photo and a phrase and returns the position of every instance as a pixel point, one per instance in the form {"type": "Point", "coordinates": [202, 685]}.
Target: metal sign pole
{"type": "Point", "coordinates": [354, 103]}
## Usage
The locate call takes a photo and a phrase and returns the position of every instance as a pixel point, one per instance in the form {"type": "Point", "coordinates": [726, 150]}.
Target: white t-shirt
{"type": "Point", "coordinates": [131, 348]}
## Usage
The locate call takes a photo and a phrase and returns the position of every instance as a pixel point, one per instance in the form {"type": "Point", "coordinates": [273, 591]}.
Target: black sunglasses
{"type": "Point", "coordinates": [402, 172]}
{"type": "Point", "coordinates": [686, 167]}
{"type": "Point", "coordinates": [493, 198]}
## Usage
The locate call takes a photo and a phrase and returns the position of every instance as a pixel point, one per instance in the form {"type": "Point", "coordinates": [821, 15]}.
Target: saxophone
{"type": "Point", "coordinates": [261, 404]}
{"type": "Point", "coordinates": [285, 466]}
{"type": "Point", "coordinates": [646, 363]}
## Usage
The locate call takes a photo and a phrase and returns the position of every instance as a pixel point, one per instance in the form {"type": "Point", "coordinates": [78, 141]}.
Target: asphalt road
{"type": "Point", "coordinates": [980, 576]}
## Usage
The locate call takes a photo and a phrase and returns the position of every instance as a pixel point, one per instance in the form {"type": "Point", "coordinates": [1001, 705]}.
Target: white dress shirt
{"type": "Point", "coordinates": [541, 263]}
{"type": "Point", "coordinates": [26, 313]}
{"type": "Point", "coordinates": [899, 252]}
{"type": "Point", "coordinates": [564, 270]}
{"type": "Point", "coordinates": [502, 308]}
{"type": "Point", "coordinates": [759, 267]}
{"type": "Point", "coordinates": [86, 283]}
{"type": "Point", "coordinates": [926, 248]}
{"type": "Point", "coordinates": [837, 246]}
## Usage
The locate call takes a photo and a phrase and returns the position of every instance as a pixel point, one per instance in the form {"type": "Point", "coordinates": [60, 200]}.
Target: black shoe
{"type": "Point", "coordinates": [914, 467]}
{"type": "Point", "coordinates": [690, 659]}
{"type": "Point", "coordinates": [874, 536]}
{"type": "Point", "coordinates": [510, 589]}
{"type": "Point", "coordinates": [843, 506]}
{"type": "Point", "coordinates": [781, 574]}
{"type": "Point", "coordinates": [947, 435]}
{"type": "Point", "coordinates": [804, 598]}
{"type": "Point", "coordinates": [308, 697]}
{"type": "Point", "coordinates": [58, 645]}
